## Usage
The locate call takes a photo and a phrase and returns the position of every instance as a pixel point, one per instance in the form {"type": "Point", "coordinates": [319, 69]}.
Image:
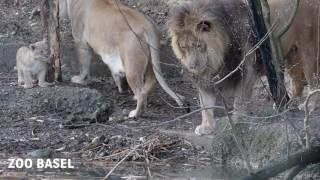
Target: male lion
{"type": "Point", "coordinates": [126, 40]}
{"type": "Point", "coordinates": [211, 38]}
{"type": "Point", "coordinates": [32, 64]}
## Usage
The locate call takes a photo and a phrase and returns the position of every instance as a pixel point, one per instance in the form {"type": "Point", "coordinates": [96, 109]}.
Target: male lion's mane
{"type": "Point", "coordinates": [231, 17]}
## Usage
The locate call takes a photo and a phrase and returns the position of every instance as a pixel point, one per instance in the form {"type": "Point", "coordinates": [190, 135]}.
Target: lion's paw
{"type": "Point", "coordinates": [27, 86]}
{"type": "Point", "coordinates": [202, 130]}
{"type": "Point", "coordinates": [20, 83]}
{"type": "Point", "coordinates": [78, 80]}
{"type": "Point", "coordinates": [133, 114]}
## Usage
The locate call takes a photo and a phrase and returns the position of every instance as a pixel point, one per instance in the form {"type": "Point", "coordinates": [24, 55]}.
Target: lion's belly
{"type": "Point", "coordinates": [114, 62]}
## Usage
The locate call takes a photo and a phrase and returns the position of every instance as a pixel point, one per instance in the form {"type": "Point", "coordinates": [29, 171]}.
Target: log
{"type": "Point", "coordinates": [303, 158]}
{"type": "Point", "coordinates": [294, 172]}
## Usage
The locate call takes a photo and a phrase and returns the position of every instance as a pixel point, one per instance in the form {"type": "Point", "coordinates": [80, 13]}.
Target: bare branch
{"type": "Point", "coordinates": [236, 136]}
{"type": "Point", "coordinates": [123, 159]}
{"type": "Point", "coordinates": [307, 117]}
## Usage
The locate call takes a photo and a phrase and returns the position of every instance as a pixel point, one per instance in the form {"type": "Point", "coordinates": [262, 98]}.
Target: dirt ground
{"type": "Point", "coordinates": [90, 123]}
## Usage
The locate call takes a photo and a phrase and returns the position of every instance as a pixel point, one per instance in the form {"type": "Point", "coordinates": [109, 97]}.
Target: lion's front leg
{"type": "Point", "coordinates": [84, 57]}
{"type": "Point", "coordinates": [207, 100]}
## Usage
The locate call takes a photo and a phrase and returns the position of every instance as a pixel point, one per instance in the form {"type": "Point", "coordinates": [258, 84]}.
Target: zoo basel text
{"type": "Point", "coordinates": [19, 163]}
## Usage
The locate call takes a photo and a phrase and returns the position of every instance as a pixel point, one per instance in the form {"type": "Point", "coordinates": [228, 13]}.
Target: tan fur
{"type": "Point", "coordinates": [126, 40]}
{"type": "Point", "coordinates": [32, 63]}
{"type": "Point", "coordinates": [303, 36]}
{"type": "Point", "coordinates": [210, 40]}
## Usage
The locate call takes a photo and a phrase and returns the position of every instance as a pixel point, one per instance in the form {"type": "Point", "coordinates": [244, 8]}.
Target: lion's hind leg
{"type": "Point", "coordinates": [141, 90]}
{"type": "Point", "coordinates": [27, 79]}
{"type": "Point", "coordinates": [84, 57]}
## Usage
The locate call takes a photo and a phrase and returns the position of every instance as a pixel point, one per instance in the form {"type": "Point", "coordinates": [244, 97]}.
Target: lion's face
{"type": "Point", "coordinates": [200, 52]}
{"type": "Point", "coordinates": [200, 37]}
{"type": "Point", "coordinates": [40, 51]}
{"type": "Point", "coordinates": [193, 51]}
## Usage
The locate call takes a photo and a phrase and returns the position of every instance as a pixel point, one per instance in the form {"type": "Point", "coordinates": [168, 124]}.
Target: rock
{"type": "Point", "coordinates": [35, 12]}
{"type": "Point", "coordinates": [41, 153]}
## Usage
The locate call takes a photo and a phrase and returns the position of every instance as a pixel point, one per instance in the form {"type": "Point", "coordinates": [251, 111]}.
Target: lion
{"type": "Point", "coordinates": [32, 64]}
{"type": "Point", "coordinates": [300, 44]}
{"type": "Point", "coordinates": [127, 42]}
{"type": "Point", "coordinates": [211, 39]}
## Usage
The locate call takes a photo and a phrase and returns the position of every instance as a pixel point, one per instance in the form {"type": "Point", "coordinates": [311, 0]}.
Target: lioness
{"type": "Point", "coordinates": [32, 64]}
{"type": "Point", "coordinates": [301, 44]}
{"type": "Point", "coordinates": [211, 38]}
{"type": "Point", "coordinates": [126, 40]}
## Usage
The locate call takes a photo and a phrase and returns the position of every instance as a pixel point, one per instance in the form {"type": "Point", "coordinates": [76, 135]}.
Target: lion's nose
{"type": "Point", "coordinates": [193, 65]}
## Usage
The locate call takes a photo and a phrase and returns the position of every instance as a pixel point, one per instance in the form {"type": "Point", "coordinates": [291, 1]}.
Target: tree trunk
{"type": "Point", "coordinates": [44, 13]}
{"type": "Point", "coordinates": [270, 56]}
{"type": "Point", "coordinates": [51, 31]}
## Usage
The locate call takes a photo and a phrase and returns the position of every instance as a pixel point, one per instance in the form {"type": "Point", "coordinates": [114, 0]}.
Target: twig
{"type": "Point", "coordinates": [307, 117]}
{"type": "Point", "coordinates": [133, 177]}
{"type": "Point", "coordinates": [123, 159]}
{"type": "Point", "coordinates": [180, 117]}
{"type": "Point", "coordinates": [251, 51]}
{"type": "Point", "coordinates": [236, 136]}
{"type": "Point", "coordinates": [147, 164]}
{"type": "Point", "coordinates": [162, 176]}
{"type": "Point", "coordinates": [296, 131]}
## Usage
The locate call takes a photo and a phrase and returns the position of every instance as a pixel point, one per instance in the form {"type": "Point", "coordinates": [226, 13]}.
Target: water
{"type": "Point", "coordinates": [211, 172]}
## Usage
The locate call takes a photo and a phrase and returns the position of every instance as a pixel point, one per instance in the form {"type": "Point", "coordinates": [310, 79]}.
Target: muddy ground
{"type": "Point", "coordinates": [90, 122]}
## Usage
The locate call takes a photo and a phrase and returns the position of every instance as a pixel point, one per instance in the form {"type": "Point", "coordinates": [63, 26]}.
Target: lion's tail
{"type": "Point", "coordinates": [155, 59]}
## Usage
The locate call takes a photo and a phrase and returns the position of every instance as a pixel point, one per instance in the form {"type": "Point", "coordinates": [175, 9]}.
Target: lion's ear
{"type": "Point", "coordinates": [204, 26]}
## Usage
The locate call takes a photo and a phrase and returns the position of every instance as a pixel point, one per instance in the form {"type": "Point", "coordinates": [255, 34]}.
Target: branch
{"type": "Point", "coordinates": [236, 136]}
{"type": "Point", "coordinates": [260, 16]}
{"type": "Point", "coordinates": [307, 117]}
{"type": "Point", "coordinates": [123, 159]}
{"type": "Point", "coordinates": [305, 157]}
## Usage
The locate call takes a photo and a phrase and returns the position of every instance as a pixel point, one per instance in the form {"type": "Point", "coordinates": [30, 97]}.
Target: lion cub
{"type": "Point", "coordinates": [32, 64]}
